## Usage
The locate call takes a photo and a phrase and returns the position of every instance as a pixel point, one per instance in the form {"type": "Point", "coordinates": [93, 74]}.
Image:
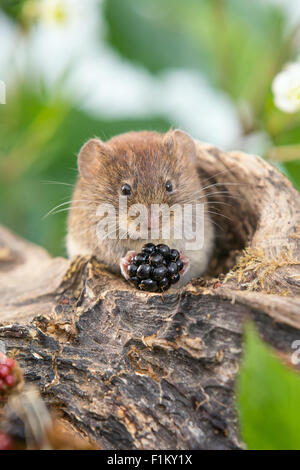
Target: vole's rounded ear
{"type": "Point", "coordinates": [180, 143]}
{"type": "Point", "coordinates": [169, 142]}
{"type": "Point", "coordinates": [89, 158]}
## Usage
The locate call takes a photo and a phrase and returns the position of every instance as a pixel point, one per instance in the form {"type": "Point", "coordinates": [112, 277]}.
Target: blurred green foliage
{"type": "Point", "coordinates": [238, 46]}
{"type": "Point", "coordinates": [12, 8]}
{"type": "Point", "coordinates": [268, 398]}
{"type": "Point", "coordinates": [235, 44]}
{"type": "Point", "coordinates": [40, 137]}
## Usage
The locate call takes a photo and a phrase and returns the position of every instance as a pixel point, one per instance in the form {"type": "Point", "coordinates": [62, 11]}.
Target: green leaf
{"type": "Point", "coordinates": [285, 133]}
{"type": "Point", "coordinates": [268, 398]}
{"type": "Point", "coordinates": [234, 44]}
{"type": "Point", "coordinates": [139, 30]}
{"type": "Point", "coordinates": [292, 170]}
{"type": "Point", "coordinates": [13, 9]}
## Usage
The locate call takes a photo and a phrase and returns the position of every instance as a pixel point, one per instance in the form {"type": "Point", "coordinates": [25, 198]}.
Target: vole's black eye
{"type": "Point", "coordinates": [169, 187]}
{"type": "Point", "coordinates": [126, 189]}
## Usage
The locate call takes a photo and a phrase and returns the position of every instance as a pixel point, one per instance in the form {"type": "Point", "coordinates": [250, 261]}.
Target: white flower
{"type": "Point", "coordinates": [286, 88]}
{"type": "Point", "coordinates": [47, 11]}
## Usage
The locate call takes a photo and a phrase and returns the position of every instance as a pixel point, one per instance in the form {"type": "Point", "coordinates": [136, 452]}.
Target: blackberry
{"type": "Point", "coordinates": [164, 284]}
{"type": "Point", "coordinates": [174, 278]}
{"type": "Point", "coordinates": [179, 264]}
{"type": "Point", "coordinates": [174, 255]}
{"type": "Point", "coordinates": [155, 268]}
{"type": "Point", "coordinates": [159, 273]}
{"type": "Point", "coordinates": [140, 258]}
{"type": "Point", "coordinates": [132, 269]}
{"type": "Point", "coordinates": [149, 285]}
{"type": "Point", "coordinates": [148, 248]}
{"type": "Point", "coordinates": [163, 250]}
{"type": "Point", "coordinates": [144, 271]}
{"type": "Point", "coordinates": [172, 269]}
{"type": "Point", "coordinates": [156, 259]}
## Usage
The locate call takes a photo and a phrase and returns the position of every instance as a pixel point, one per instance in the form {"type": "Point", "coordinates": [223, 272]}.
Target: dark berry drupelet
{"type": "Point", "coordinates": [148, 248]}
{"type": "Point", "coordinates": [156, 268]}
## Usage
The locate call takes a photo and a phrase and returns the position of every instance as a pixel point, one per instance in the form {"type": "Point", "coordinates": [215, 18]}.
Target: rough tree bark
{"type": "Point", "coordinates": [132, 370]}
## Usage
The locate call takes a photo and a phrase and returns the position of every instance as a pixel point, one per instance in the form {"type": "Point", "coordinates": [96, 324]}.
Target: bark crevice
{"type": "Point", "coordinates": [132, 370]}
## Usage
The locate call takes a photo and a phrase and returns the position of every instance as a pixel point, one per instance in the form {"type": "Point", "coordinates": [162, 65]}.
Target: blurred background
{"type": "Point", "coordinates": [226, 71]}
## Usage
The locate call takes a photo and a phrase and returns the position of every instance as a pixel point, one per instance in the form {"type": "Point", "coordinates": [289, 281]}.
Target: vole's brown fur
{"type": "Point", "coordinates": [145, 160]}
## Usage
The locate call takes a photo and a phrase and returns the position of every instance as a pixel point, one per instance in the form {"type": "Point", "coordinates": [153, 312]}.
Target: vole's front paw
{"type": "Point", "coordinates": [124, 262]}
{"type": "Point", "coordinates": [186, 264]}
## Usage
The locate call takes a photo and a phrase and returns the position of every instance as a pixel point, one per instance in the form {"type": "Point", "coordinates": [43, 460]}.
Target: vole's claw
{"type": "Point", "coordinates": [186, 264]}
{"type": "Point", "coordinates": [124, 262]}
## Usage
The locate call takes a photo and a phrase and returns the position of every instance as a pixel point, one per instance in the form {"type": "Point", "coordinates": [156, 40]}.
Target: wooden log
{"type": "Point", "coordinates": [134, 370]}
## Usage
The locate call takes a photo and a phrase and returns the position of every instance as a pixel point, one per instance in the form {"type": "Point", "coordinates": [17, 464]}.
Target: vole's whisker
{"type": "Point", "coordinates": [84, 200]}
{"type": "Point", "coordinates": [67, 203]}
{"type": "Point", "coordinates": [221, 215]}
{"type": "Point", "coordinates": [58, 182]}
{"type": "Point", "coordinates": [107, 234]}
{"type": "Point", "coordinates": [225, 193]}
{"type": "Point", "coordinates": [94, 228]}
{"type": "Point", "coordinates": [218, 202]}
{"type": "Point", "coordinates": [205, 194]}
{"type": "Point", "coordinates": [217, 225]}
{"type": "Point", "coordinates": [86, 209]}
{"type": "Point", "coordinates": [223, 184]}
{"type": "Point", "coordinates": [217, 174]}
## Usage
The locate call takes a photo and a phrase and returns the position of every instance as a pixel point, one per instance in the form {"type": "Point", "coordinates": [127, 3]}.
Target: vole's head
{"type": "Point", "coordinates": [144, 167]}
